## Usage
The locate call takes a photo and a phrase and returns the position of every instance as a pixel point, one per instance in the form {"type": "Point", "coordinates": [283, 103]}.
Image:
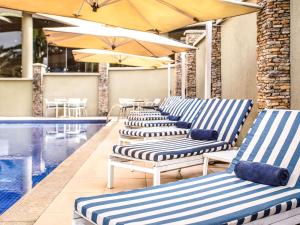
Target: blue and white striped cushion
{"type": "Point", "coordinates": [192, 111]}
{"type": "Point", "coordinates": [144, 118]}
{"type": "Point", "coordinates": [169, 149]}
{"type": "Point", "coordinates": [148, 132]}
{"type": "Point", "coordinates": [176, 109]}
{"type": "Point", "coordinates": [166, 102]}
{"type": "Point", "coordinates": [188, 116]}
{"type": "Point", "coordinates": [274, 139]}
{"type": "Point", "coordinates": [219, 198]}
{"type": "Point", "coordinates": [158, 123]}
{"type": "Point", "coordinates": [224, 115]}
{"type": "Point", "coordinates": [144, 113]}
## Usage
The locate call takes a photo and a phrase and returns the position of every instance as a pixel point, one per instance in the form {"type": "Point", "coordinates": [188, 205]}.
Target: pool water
{"type": "Point", "coordinates": [29, 152]}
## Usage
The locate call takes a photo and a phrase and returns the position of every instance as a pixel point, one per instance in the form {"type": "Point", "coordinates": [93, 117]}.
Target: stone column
{"type": "Point", "coordinates": [178, 74]}
{"type": "Point", "coordinates": [273, 54]}
{"type": "Point", "coordinates": [38, 89]}
{"type": "Point", "coordinates": [27, 45]}
{"type": "Point", "coordinates": [103, 89]}
{"type": "Point", "coordinates": [191, 36]}
{"type": "Point", "coordinates": [216, 84]}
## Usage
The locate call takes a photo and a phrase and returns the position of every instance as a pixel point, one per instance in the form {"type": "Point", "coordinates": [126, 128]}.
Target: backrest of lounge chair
{"type": "Point", "coordinates": [192, 110]}
{"type": "Point", "coordinates": [225, 116]}
{"type": "Point", "coordinates": [169, 101]}
{"type": "Point", "coordinates": [180, 108]}
{"type": "Point", "coordinates": [274, 139]}
{"type": "Point", "coordinates": [173, 105]}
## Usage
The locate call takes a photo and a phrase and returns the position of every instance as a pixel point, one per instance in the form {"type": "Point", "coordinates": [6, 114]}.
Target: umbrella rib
{"type": "Point", "coordinates": [80, 8]}
{"type": "Point", "coordinates": [148, 50]}
{"type": "Point", "coordinates": [141, 15]}
{"type": "Point", "coordinates": [108, 2]}
{"type": "Point", "coordinates": [106, 41]}
{"type": "Point", "coordinates": [178, 10]}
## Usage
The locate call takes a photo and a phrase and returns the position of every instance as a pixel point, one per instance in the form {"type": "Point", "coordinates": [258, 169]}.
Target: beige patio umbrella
{"type": "Point", "coordinates": [95, 36]}
{"type": "Point", "coordinates": [103, 56]}
{"type": "Point", "coordinates": [145, 15]}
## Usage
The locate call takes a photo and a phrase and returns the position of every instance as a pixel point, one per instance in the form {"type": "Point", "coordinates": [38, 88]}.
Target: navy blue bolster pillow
{"type": "Point", "coordinates": [184, 125]}
{"type": "Point", "coordinates": [164, 113]}
{"type": "Point", "coordinates": [208, 135]}
{"type": "Point", "coordinates": [173, 118]}
{"type": "Point", "coordinates": [160, 110]}
{"type": "Point", "coordinates": [262, 173]}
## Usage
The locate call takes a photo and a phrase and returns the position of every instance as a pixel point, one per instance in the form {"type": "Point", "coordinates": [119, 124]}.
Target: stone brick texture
{"type": "Point", "coordinates": [273, 54]}
{"type": "Point", "coordinates": [191, 38]}
{"type": "Point", "coordinates": [37, 90]}
{"type": "Point", "coordinates": [103, 90]}
{"type": "Point", "coordinates": [178, 73]}
{"type": "Point", "coordinates": [216, 84]}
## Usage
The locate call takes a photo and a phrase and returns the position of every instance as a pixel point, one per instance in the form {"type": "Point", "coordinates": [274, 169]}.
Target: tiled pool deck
{"type": "Point", "coordinates": [83, 174]}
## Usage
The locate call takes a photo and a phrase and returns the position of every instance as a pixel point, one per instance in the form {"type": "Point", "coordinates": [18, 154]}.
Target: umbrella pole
{"type": "Point", "coordinates": [169, 80]}
{"type": "Point", "coordinates": [207, 91]}
{"type": "Point", "coordinates": [183, 74]}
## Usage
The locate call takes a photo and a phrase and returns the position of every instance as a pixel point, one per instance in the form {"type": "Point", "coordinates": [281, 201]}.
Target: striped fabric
{"type": "Point", "coordinates": [158, 123]}
{"type": "Point", "coordinates": [188, 116]}
{"type": "Point", "coordinates": [166, 102]}
{"type": "Point", "coordinates": [219, 198]}
{"type": "Point", "coordinates": [176, 109]}
{"type": "Point", "coordinates": [274, 139]}
{"type": "Point", "coordinates": [169, 149]}
{"type": "Point", "coordinates": [146, 117]}
{"type": "Point", "coordinates": [148, 132]}
{"type": "Point", "coordinates": [227, 116]}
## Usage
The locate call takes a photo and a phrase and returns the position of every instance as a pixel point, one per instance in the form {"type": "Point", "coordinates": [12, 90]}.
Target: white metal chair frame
{"type": "Point", "coordinates": [73, 105]}
{"type": "Point", "coordinates": [155, 168]}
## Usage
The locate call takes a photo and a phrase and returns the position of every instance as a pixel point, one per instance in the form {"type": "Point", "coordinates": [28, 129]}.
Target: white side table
{"type": "Point", "coordinates": [223, 156]}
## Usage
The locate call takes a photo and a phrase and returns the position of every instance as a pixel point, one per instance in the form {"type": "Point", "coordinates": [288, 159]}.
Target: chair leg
{"type": "Point", "coordinates": [110, 175]}
{"type": "Point", "coordinates": [156, 177]}
{"type": "Point", "coordinates": [205, 166]}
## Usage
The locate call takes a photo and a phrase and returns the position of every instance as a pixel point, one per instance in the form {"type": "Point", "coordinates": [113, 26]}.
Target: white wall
{"type": "Point", "coordinates": [15, 97]}
{"type": "Point", "coordinates": [137, 83]}
{"type": "Point", "coordinates": [295, 54]}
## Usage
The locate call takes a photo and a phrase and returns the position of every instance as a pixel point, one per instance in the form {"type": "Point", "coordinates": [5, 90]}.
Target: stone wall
{"type": "Point", "coordinates": [216, 84]}
{"type": "Point", "coordinates": [178, 72]}
{"type": "Point", "coordinates": [103, 89]}
{"type": "Point", "coordinates": [191, 37]}
{"type": "Point", "coordinates": [273, 54]}
{"type": "Point", "coordinates": [38, 89]}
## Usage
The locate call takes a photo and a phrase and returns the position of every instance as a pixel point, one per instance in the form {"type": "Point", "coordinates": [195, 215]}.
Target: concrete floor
{"type": "Point", "coordinates": [83, 174]}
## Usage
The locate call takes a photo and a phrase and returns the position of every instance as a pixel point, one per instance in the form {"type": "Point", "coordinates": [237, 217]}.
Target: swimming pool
{"type": "Point", "coordinates": [30, 150]}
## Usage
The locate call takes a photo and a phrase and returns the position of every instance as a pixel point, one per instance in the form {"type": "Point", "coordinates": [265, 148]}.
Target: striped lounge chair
{"type": "Point", "coordinates": [177, 108]}
{"type": "Point", "coordinates": [212, 110]}
{"type": "Point", "coordinates": [166, 102]}
{"type": "Point", "coordinates": [188, 116]}
{"type": "Point", "coordinates": [218, 198]}
{"type": "Point", "coordinates": [223, 115]}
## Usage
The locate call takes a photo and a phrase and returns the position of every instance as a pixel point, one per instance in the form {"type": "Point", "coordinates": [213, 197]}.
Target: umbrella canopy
{"type": "Point", "coordinates": [102, 56]}
{"type": "Point", "coordinates": [145, 15]}
{"type": "Point", "coordinates": [96, 36]}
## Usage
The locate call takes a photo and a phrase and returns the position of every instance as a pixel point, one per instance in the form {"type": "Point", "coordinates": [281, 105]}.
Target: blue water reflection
{"type": "Point", "coordinates": [29, 152]}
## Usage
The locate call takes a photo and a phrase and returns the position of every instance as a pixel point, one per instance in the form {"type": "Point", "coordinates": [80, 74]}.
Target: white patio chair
{"type": "Point", "coordinates": [51, 105]}
{"type": "Point", "coordinates": [73, 107]}
{"type": "Point", "coordinates": [83, 108]}
{"type": "Point", "coordinates": [125, 103]}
